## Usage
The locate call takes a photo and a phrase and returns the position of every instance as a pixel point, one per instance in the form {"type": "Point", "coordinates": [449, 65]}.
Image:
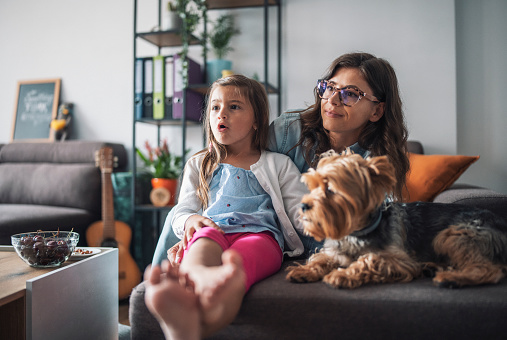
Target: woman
{"type": "Point", "coordinates": [357, 105]}
{"type": "Point", "coordinates": [369, 127]}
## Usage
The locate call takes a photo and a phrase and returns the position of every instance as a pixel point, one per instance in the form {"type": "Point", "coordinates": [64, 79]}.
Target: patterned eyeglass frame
{"type": "Point", "coordinates": [362, 94]}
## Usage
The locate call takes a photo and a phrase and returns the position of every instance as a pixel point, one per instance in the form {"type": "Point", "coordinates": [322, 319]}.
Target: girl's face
{"type": "Point", "coordinates": [345, 123]}
{"type": "Point", "coordinates": [232, 119]}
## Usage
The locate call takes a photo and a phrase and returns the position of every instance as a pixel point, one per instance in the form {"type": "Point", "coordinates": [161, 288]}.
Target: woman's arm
{"type": "Point", "coordinates": [284, 134]}
{"type": "Point", "coordinates": [188, 202]}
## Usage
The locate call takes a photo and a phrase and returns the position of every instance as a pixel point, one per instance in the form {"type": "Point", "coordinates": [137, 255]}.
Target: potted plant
{"type": "Point", "coordinates": [220, 39]}
{"type": "Point", "coordinates": [171, 19]}
{"type": "Point", "coordinates": [191, 13]}
{"type": "Point", "coordinates": [164, 167]}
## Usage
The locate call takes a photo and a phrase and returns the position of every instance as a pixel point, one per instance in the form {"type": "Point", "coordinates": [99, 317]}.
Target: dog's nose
{"type": "Point", "coordinates": [305, 207]}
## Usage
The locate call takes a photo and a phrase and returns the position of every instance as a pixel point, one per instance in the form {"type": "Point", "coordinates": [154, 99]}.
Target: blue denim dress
{"type": "Point", "coordinates": [238, 203]}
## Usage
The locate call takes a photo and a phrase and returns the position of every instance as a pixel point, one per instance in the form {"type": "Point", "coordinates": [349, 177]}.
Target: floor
{"type": "Point", "coordinates": [123, 316]}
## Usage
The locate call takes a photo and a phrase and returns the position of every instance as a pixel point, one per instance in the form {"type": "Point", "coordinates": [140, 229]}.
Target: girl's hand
{"type": "Point", "coordinates": [194, 223]}
{"type": "Point", "coordinates": [175, 253]}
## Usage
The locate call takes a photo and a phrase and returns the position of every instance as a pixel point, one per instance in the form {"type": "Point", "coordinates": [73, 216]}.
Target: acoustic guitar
{"type": "Point", "coordinates": [111, 233]}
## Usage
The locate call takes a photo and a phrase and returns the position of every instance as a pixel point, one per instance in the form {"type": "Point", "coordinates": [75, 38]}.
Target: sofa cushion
{"type": "Point", "coordinates": [429, 175]}
{"type": "Point", "coordinates": [66, 185]}
{"type": "Point", "coordinates": [277, 309]}
{"type": "Point", "coordinates": [64, 152]}
{"type": "Point", "coordinates": [22, 218]}
{"type": "Point", "coordinates": [475, 196]}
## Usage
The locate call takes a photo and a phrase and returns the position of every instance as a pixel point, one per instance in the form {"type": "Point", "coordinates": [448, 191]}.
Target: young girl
{"type": "Point", "coordinates": [236, 216]}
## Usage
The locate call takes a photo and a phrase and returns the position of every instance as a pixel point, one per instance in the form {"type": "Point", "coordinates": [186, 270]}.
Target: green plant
{"type": "Point", "coordinates": [191, 12]}
{"type": "Point", "coordinates": [171, 6]}
{"type": "Point", "coordinates": [160, 163]}
{"type": "Point", "coordinates": [221, 34]}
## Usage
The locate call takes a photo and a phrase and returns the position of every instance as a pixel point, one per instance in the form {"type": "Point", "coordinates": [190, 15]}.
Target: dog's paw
{"type": "Point", "coordinates": [303, 274]}
{"type": "Point", "coordinates": [430, 269]}
{"type": "Point", "coordinates": [446, 284]}
{"type": "Point", "coordinates": [339, 279]}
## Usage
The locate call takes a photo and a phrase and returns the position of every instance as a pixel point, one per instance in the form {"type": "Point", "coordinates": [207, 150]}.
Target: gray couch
{"type": "Point", "coordinates": [278, 309]}
{"type": "Point", "coordinates": [51, 185]}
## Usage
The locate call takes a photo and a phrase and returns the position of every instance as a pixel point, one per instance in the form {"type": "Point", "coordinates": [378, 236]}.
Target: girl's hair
{"type": "Point", "coordinates": [252, 91]}
{"type": "Point", "coordinates": [387, 136]}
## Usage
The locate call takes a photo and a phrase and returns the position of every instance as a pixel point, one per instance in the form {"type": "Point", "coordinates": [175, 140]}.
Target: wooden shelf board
{"type": "Point", "coordinates": [160, 122]}
{"type": "Point", "coordinates": [165, 38]}
{"type": "Point", "coordinates": [222, 4]}
{"type": "Point", "coordinates": [203, 88]}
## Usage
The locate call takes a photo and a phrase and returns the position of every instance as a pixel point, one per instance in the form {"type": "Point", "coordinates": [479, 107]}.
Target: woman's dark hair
{"type": "Point", "coordinates": [387, 136]}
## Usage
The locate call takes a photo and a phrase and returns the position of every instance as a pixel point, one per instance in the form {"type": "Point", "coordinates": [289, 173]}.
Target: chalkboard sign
{"type": "Point", "coordinates": [36, 106]}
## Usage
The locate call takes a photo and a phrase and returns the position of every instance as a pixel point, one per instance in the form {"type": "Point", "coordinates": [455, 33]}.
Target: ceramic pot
{"type": "Point", "coordinates": [171, 21]}
{"type": "Point", "coordinates": [170, 184]}
{"type": "Point", "coordinates": [215, 67]}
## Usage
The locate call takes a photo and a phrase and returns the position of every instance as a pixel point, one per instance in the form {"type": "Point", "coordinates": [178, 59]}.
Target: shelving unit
{"type": "Point", "coordinates": [161, 39]}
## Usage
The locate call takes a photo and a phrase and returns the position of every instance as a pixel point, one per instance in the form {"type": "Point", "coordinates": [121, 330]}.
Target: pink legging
{"type": "Point", "coordinates": [260, 252]}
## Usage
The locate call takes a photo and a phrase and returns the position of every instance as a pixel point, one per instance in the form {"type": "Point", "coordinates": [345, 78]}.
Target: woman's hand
{"type": "Point", "coordinates": [193, 223]}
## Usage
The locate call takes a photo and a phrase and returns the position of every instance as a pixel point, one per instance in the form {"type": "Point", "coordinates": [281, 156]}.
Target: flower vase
{"type": "Point", "coordinates": [167, 195]}
{"type": "Point", "coordinates": [171, 21]}
{"type": "Point", "coordinates": [215, 67]}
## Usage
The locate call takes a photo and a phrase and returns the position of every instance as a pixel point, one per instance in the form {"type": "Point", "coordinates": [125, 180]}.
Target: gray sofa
{"type": "Point", "coordinates": [278, 309]}
{"type": "Point", "coordinates": [51, 185]}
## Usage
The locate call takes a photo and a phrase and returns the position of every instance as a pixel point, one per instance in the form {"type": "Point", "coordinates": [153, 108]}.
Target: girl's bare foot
{"type": "Point", "coordinates": [170, 297]}
{"type": "Point", "coordinates": [221, 299]}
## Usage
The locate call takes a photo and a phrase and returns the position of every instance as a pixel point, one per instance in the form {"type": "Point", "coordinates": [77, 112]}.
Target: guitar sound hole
{"type": "Point", "coordinates": [110, 243]}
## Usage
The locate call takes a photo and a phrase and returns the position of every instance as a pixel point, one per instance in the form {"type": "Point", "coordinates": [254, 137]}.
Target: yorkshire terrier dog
{"type": "Point", "coordinates": [370, 241]}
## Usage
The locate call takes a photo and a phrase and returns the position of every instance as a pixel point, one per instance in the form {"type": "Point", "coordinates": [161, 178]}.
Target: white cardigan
{"type": "Point", "coordinates": [277, 175]}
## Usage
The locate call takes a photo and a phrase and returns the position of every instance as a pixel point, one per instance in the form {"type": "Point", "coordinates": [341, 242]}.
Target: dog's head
{"type": "Point", "coordinates": [344, 191]}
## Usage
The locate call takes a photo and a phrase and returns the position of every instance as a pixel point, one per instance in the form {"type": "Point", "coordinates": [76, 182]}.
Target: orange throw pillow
{"type": "Point", "coordinates": [429, 175]}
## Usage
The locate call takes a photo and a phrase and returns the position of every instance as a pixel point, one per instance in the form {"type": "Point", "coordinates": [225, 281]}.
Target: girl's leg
{"type": "Point", "coordinates": [262, 256]}
{"type": "Point", "coordinates": [218, 276]}
{"type": "Point", "coordinates": [251, 257]}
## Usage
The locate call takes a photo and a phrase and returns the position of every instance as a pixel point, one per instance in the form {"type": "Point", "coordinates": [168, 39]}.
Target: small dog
{"type": "Point", "coordinates": [370, 241]}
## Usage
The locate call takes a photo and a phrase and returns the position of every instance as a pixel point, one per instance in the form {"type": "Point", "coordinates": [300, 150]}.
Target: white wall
{"type": "Point", "coordinates": [86, 43]}
{"type": "Point", "coordinates": [89, 45]}
{"type": "Point", "coordinates": [481, 45]}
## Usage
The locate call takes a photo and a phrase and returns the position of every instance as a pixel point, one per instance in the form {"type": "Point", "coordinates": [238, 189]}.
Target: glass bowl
{"type": "Point", "coordinates": [45, 249]}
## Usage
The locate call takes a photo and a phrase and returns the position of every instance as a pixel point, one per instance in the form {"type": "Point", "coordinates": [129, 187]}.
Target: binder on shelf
{"type": "Point", "coordinates": [169, 90]}
{"type": "Point", "coordinates": [194, 100]}
{"type": "Point", "coordinates": [139, 88]}
{"type": "Point", "coordinates": [148, 88]}
{"type": "Point", "coordinates": [158, 87]}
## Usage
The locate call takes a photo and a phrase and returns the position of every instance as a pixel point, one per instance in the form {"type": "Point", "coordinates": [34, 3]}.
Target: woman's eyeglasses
{"type": "Point", "coordinates": [349, 95]}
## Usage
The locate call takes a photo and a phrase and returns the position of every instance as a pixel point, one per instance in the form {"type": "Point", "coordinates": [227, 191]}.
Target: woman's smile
{"type": "Point", "coordinates": [332, 114]}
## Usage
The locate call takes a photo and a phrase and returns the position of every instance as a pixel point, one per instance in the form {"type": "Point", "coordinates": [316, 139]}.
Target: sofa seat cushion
{"type": "Point", "coordinates": [20, 218]}
{"type": "Point", "coordinates": [277, 309]}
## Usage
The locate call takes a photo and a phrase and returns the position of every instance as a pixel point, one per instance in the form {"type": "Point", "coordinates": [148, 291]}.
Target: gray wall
{"type": "Point", "coordinates": [446, 54]}
{"type": "Point", "coordinates": [481, 49]}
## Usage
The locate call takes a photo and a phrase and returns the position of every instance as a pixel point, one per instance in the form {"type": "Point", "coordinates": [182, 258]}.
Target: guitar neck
{"type": "Point", "coordinates": [107, 205]}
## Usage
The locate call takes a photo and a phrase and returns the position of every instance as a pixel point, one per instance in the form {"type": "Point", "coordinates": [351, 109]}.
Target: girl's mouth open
{"type": "Point", "coordinates": [222, 127]}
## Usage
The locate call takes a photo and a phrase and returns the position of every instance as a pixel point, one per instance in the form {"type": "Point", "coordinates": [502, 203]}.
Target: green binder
{"type": "Point", "coordinates": [158, 87]}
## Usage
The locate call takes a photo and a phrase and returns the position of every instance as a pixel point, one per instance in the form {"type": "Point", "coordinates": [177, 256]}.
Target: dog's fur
{"type": "Point", "coordinates": [456, 244]}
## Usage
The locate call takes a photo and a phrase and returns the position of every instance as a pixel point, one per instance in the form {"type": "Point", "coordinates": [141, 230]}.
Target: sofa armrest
{"type": "Point", "coordinates": [475, 196]}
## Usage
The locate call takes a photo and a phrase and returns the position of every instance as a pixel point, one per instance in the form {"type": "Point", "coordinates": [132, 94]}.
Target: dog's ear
{"type": "Point", "coordinates": [382, 172]}
{"type": "Point", "coordinates": [312, 179]}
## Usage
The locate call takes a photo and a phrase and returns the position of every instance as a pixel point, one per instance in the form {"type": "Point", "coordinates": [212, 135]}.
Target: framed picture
{"type": "Point", "coordinates": [36, 106]}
